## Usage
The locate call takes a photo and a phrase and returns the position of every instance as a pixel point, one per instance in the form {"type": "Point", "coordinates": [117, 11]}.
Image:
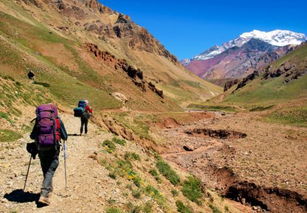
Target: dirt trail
{"type": "Point", "coordinates": [87, 181]}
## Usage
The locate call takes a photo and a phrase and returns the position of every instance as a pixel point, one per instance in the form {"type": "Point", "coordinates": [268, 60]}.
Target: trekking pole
{"type": "Point", "coordinates": [24, 187]}
{"type": "Point", "coordinates": [65, 156]}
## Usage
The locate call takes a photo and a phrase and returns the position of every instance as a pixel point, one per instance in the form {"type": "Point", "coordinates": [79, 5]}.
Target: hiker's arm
{"type": "Point", "coordinates": [33, 134]}
{"type": "Point", "coordinates": [64, 134]}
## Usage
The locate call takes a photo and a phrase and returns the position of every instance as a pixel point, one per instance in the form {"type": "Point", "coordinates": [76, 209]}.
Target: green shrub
{"type": "Point", "coordinates": [132, 156]}
{"type": "Point", "coordinates": [151, 190]}
{"type": "Point", "coordinates": [119, 141]}
{"type": "Point", "coordinates": [136, 194]}
{"type": "Point", "coordinates": [9, 135]}
{"type": "Point", "coordinates": [124, 168]}
{"type": "Point", "coordinates": [182, 208]}
{"type": "Point", "coordinates": [112, 175]}
{"type": "Point", "coordinates": [5, 116]}
{"type": "Point", "coordinates": [133, 209]}
{"type": "Point", "coordinates": [168, 172]}
{"type": "Point", "coordinates": [137, 181]}
{"type": "Point", "coordinates": [154, 172]}
{"type": "Point", "coordinates": [109, 146]}
{"type": "Point", "coordinates": [147, 208]}
{"type": "Point", "coordinates": [175, 192]}
{"type": "Point", "coordinates": [113, 210]}
{"type": "Point", "coordinates": [155, 194]}
{"type": "Point", "coordinates": [192, 189]}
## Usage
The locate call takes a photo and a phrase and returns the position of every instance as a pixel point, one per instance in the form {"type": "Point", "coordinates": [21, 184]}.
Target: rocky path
{"type": "Point", "coordinates": [88, 182]}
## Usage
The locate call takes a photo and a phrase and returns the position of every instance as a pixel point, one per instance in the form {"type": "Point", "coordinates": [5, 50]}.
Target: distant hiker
{"type": "Point", "coordinates": [31, 75]}
{"type": "Point", "coordinates": [47, 133]}
{"type": "Point", "coordinates": [85, 117]}
{"type": "Point", "coordinates": [84, 111]}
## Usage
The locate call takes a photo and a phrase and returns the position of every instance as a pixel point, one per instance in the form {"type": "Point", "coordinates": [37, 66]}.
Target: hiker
{"type": "Point", "coordinates": [31, 75]}
{"type": "Point", "coordinates": [47, 133]}
{"type": "Point", "coordinates": [85, 117]}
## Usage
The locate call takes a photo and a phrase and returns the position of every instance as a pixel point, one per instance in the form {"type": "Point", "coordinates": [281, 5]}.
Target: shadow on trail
{"type": "Point", "coordinates": [19, 196]}
{"type": "Point", "coordinates": [74, 134]}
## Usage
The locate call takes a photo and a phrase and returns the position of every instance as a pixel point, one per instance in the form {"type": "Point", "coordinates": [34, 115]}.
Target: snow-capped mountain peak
{"type": "Point", "coordinates": [276, 38]}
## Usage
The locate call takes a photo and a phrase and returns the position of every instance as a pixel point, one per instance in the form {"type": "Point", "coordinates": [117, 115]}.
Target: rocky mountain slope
{"type": "Point", "coordinates": [241, 56]}
{"type": "Point", "coordinates": [77, 48]}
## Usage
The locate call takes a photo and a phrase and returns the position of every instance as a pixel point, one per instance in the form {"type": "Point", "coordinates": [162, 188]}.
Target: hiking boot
{"type": "Point", "coordinates": [44, 200]}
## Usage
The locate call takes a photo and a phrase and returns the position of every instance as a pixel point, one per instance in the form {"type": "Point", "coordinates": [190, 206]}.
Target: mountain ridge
{"type": "Point", "coordinates": [275, 38]}
{"type": "Point", "coordinates": [243, 55]}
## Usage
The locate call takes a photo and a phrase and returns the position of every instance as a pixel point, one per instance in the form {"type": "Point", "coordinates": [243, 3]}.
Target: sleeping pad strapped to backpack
{"type": "Point", "coordinates": [48, 125]}
{"type": "Point", "coordinates": [78, 111]}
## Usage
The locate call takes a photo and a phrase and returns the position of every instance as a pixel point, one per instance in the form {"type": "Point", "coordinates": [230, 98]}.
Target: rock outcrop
{"type": "Point", "coordinates": [247, 79]}
{"type": "Point", "coordinates": [230, 83]}
{"type": "Point", "coordinates": [135, 74]}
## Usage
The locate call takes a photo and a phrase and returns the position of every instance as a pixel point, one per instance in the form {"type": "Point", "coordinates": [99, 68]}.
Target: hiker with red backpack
{"type": "Point", "coordinates": [84, 111]}
{"type": "Point", "coordinates": [47, 133]}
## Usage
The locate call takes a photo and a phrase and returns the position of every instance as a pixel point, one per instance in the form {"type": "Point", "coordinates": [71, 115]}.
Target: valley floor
{"type": "Point", "coordinates": [236, 154]}
{"type": "Point", "coordinates": [248, 160]}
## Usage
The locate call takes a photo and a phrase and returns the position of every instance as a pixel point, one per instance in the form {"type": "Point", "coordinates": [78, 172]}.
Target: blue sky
{"type": "Point", "coordinates": [187, 28]}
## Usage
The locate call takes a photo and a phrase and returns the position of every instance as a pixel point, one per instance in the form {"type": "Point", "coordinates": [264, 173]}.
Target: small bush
{"type": "Point", "coordinates": [168, 172]}
{"type": "Point", "coordinates": [137, 181]}
{"type": "Point", "coordinates": [182, 208]}
{"type": "Point", "coordinates": [147, 208]}
{"type": "Point", "coordinates": [155, 194]}
{"type": "Point", "coordinates": [112, 175]}
{"type": "Point", "coordinates": [124, 168]}
{"type": "Point", "coordinates": [113, 210]}
{"type": "Point", "coordinates": [5, 116]}
{"type": "Point", "coordinates": [136, 194]}
{"type": "Point", "coordinates": [191, 189]}
{"type": "Point", "coordinates": [154, 172]}
{"type": "Point", "coordinates": [9, 135]}
{"type": "Point", "coordinates": [109, 145]}
{"type": "Point", "coordinates": [133, 209]}
{"type": "Point", "coordinates": [175, 192]}
{"type": "Point", "coordinates": [119, 141]}
{"type": "Point", "coordinates": [132, 156]}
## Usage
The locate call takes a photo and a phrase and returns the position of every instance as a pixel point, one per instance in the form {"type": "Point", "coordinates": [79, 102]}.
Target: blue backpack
{"type": "Point", "coordinates": [78, 111]}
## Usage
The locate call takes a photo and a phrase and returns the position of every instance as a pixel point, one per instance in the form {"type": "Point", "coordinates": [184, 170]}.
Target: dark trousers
{"type": "Point", "coordinates": [84, 122]}
{"type": "Point", "coordinates": [49, 163]}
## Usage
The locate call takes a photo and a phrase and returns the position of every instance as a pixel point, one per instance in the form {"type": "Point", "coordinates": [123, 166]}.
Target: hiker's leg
{"type": "Point", "coordinates": [81, 128]}
{"type": "Point", "coordinates": [47, 183]}
{"type": "Point", "coordinates": [45, 162]}
{"type": "Point", "coordinates": [85, 123]}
